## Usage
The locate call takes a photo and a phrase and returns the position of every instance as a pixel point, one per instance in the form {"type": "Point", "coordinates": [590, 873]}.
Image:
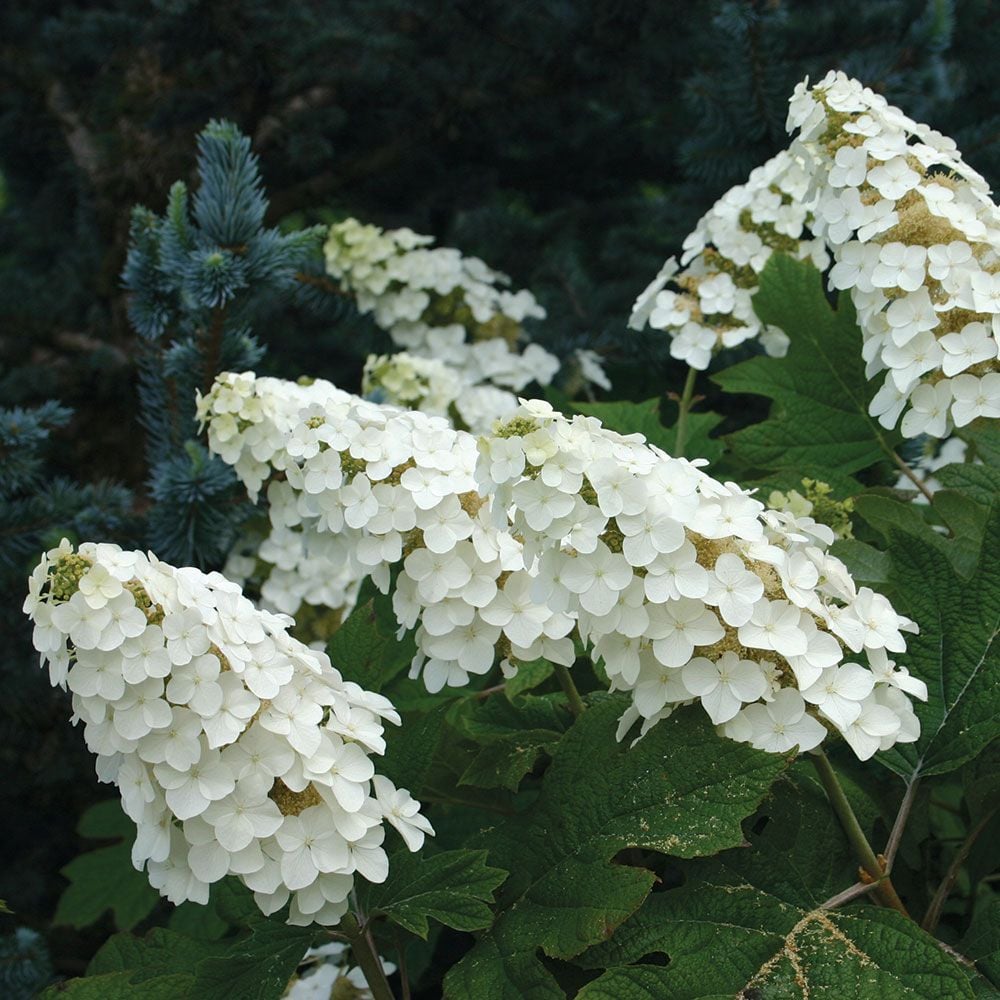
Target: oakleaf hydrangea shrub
{"type": "Point", "coordinates": [607, 662]}
{"type": "Point", "coordinates": [551, 529]}
{"type": "Point", "coordinates": [236, 749]}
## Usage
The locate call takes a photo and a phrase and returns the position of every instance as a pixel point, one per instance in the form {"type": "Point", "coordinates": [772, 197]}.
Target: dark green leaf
{"type": "Point", "coordinates": [105, 880]}
{"type": "Point", "coordinates": [365, 649]}
{"type": "Point", "coordinates": [956, 653]}
{"type": "Point", "coordinates": [160, 952]}
{"type": "Point", "coordinates": [120, 986]}
{"type": "Point", "coordinates": [256, 967]}
{"type": "Point", "coordinates": [454, 887]}
{"type": "Point", "coordinates": [681, 791]}
{"type": "Point", "coordinates": [528, 676]}
{"type": "Point", "coordinates": [868, 565]}
{"type": "Point", "coordinates": [494, 718]}
{"type": "Point", "coordinates": [738, 941]}
{"type": "Point", "coordinates": [411, 749]}
{"type": "Point", "coordinates": [106, 821]}
{"type": "Point", "coordinates": [982, 942]}
{"type": "Point", "coordinates": [502, 763]}
{"type": "Point", "coordinates": [819, 418]}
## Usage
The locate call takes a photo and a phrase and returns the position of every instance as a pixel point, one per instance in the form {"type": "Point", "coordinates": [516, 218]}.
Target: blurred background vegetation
{"type": "Point", "coordinates": [570, 143]}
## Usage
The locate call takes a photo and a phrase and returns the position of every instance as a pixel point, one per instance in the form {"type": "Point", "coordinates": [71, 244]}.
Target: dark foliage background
{"type": "Point", "coordinates": [572, 143]}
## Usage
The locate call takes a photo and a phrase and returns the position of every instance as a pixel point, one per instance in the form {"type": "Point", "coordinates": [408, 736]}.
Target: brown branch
{"type": "Point", "coordinates": [854, 892]}
{"type": "Point", "coordinates": [912, 476]}
{"type": "Point", "coordinates": [318, 281]}
{"type": "Point", "coordinates": [933, 914]}
{"type": "Point", "coordinates": [896, 836]}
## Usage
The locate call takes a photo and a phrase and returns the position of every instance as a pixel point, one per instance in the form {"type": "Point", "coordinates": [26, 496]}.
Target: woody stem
{"type": "Point", "coordinates": [885, 892]}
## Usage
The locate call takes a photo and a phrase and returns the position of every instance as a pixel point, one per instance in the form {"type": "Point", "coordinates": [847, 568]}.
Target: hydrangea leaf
{"type": "Point", "coordinates": [504, 762]}
{"type": "Point", "coordinates": [957, 652]}
{"type": "Point", "coordinates": [961, 509]}
{"type": "Point", "coordinates": [160, 952]}
{"type": "Point", "coordinates": [120, 986]}
{"type": "Point", "coordinates": [165, 964]}
{"type": "Point", "coordinates": [819, 416]}
{"type": "Point", "coordinates": [984, 435]}
{"type": "Point", "coordinates": [753, 920]}
{"type": "Point", "coordinates": [256, 967]}
{"type": "Point", "coordinates": [681, 791]}
{"type": "Point", "coordinates": [365, 648]}
{"type": "Point", "coordinates": [979, 482]}
{"type": "Point", "coordinates": [454, 888]}
{"type": "Point", "coordinates": [513, 733]}
{"type": "Point", "coordinates": [230, 905]}
{"type": "Point", "coordinates": [868, 565]}
{"type": "Point", "coordinates": [644, 418]}
{"type": "Point", "coordinates": [793, 848]}
{"type": "Point", "coordinates": [411, 749]}
{"type": "Point", "coordinates": [106, 821]}
{"type": "Point", "coordinates": [739, 941]}
{"type": "Point", "coordinates": [495, 718]}
{"type": "Point", "coordinates": [982, 941]}
{"type": "Point", "coordinates": [528, 676]}
{"type": "Point", "coordinates": [105, 880]}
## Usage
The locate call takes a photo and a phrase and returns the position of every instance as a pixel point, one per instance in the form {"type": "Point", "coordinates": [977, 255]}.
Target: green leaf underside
{"type": "Point", "coordinates": [680, 791]}
{"type": "Point", "coordinates": [956, 653]}
{"type": "Point", "coordinates": [454, 887]}
{"type": "Point", "coordinates": [819, 417]}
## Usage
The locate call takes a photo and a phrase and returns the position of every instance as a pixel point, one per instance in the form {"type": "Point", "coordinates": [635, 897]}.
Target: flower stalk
{"type": "Point", "coordinates": [885, 892]}
{"type": "Point", "coordinates": [683, 408]}
{"type": "Point", "coordinates": [576, 705]}
{"type": "Point", "coordinates": [366, 957]}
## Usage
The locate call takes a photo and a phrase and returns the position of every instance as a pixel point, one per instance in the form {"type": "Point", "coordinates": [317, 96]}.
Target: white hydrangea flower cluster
{"type": "Point", "coordinates": [326, 974]}
{"type": "Point", "coordinates": [704, 303]}
{"type": "Point", "coordinates": [236, 749]}
{"type": "Point", "coordinates": [916, 240]}
{"type": "Point", "coordinates": [437, 303]}
{"type": "Point", "coordinates": [300, 567]}
{"type": "Point", "coordinates": [551, 529]}
{"type": "Point", "coordinates": [432, 386]}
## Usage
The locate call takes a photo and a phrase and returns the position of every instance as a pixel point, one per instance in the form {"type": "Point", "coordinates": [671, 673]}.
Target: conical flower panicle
{"type": "Point", "coordinates": [511, 545]}
{"type": "Point", "coordinates": [236, 749]}
{"type": "Point", "coordinates": [704, 302]}
{"type": "Point", "coordinates": [915, 237]}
